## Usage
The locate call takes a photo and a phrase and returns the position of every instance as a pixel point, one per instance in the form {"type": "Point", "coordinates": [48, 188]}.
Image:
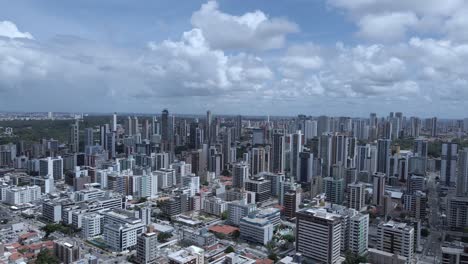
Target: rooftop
{"type": "Point", "coordinates": [321, 213]}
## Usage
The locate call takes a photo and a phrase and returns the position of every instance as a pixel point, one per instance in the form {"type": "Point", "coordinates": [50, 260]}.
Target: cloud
{"type": "Point", "coordinates": [198, 70]}
{"type": "Point", "coordinates": [253, 30]}
{"type": "Point", "coordinates": [456, 27]}
{"type": "Point", "coordinates": [9, 30]}
{"type": "Point", "coordinates": [386, 27]}
{"type": "Point", "coordinates": [394, 20]}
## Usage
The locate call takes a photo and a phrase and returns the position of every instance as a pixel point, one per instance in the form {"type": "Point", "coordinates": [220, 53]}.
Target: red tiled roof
{"type": "Point", "coordinates": [216, 246]}
{"type": "Point", "coordinates": [264, 261]}
{"type": "Point", "coordinates": [27, 235]}
{"type": "Point", "coordinates": [14, 245]}
{"type": "Point", "coordinates": [223, 229]}
{"type": "Point", "coordinates": [15, 256]}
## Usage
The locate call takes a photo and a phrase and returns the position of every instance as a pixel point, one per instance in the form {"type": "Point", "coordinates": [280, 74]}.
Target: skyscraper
{"type": "Point", "coordinates": [356, 196]}
{"type": "Point", "coordinates": [420, 149]}
{"type": "Point", "coordinates": [323, 125]}
{"type": "Point", "coordinates": [74, 137]}
{"type": "Point", "coordinates": [325, 153]}
{"type": "Point", "coordinates": [291, 202]}
{"type": "Point", "coordinates": [384, 152]}
{"type": "Point", "coordinates": [310, 129]}
{"type": "Point", "coordinates": [448, 163]}
{"type": "Point", "coordinates": [114, 122]}
{"type": "Point", "coordinates": [333, 187]}
{"type": "Point", "coordinates": [378, 190]}
{"type": "Point", "coordinates": [415, 127]}
{"type": "Point", "coordinates": [208, 126]}
{"type": "Point", "coordinates": [129, 126]}
{"type": "Point", "coordinates": [136, 126]}
{"type": "Point", "coordinates": [296, 148]}
{"type": "Point", "coordinates": [227, 141]}
{"type": "Point", "coordinates": [165, 126]}
{"type": "Point", "coordinates": [373, 120]}
{"type": "Point", "coordinates": [318, 235]}
{"type": "Point", "coordinates": [89, 136]}
{"type": "Point", "coordinates": [240, 173]}
{"type": "Point", "coordinates": [306, 167]}
{"type": "Point", "coordinates": [259, 160]}
{"type": "Point", "coordinates": [278, 153]}
{"type": "Point", "coordinates": [238, 125]}
{"type": "Point", "coordinates": [462, 179]}
{"type": "Point", "coordinates": [434, 127]}
{"type": "Point", "coordinates": [102, 133]}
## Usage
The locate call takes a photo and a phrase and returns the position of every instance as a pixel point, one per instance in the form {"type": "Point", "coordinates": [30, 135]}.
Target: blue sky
{"type": "Point", "coordinates": [336, 57]}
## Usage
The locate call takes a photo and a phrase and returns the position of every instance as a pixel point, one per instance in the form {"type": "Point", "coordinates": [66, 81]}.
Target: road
{"type": "Point", "coordinates": [432, 247]}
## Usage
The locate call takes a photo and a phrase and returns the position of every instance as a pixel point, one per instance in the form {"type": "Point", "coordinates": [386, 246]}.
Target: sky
{"type": "Point", "coordinates": [257, 57]}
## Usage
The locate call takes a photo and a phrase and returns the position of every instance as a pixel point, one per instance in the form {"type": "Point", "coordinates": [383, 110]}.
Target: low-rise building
{"type": "Point", "coordinates": [198, 237]}
{"type": "Point", "coordinates": [66, 252]}
{"type": "Point", "coordinates": [190, 255]}
{"type": "Point", "coordinates": [256, 230]}
{"type": "Point", "coordinates": [214, 206]}
{"type": "Point", "coordinates": [238, 209]}
{"type": "Point", "coordinates": [91, 225]}
{"type": "Point", "coordinates": [52, 211]}
{"type": "Point", "coordinates": [22, 195]}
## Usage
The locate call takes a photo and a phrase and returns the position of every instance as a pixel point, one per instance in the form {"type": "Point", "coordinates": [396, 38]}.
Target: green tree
{"type": "Point", "coordinates": [46, 257]}
{"type": "Point", "coordinates": [236, 234]}
{"type": "Point", "coordinates": [224, 215]}
{"type": "Point", "coordinates": [142, 200]}
{"type": "Point", "coordinates": [273, 257]}
{"type": "Point", "coordinates": [220, 235]}
{"type": "Point", "coordinates": [352, 258]}
{"type": "Point", "coordinates": [271, 246]}
{"type": "Point", "coordinates": [425, 232]}
{"type": "Point", "coordinates": [229, 250]}
{"type": "Point", "coordinates": [163, 237]}
{"type": "Point", "coordinates": [289, 237]}
{"type": "Point", "coordinates": [51, 228]}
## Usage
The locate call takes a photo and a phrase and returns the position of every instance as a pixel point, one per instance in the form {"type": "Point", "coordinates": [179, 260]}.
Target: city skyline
{"type": "Point", "coordinates": [257, 58]}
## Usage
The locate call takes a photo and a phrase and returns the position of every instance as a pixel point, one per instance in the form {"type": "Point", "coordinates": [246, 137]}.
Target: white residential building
{"type": "Point", "coordinates": [22, 195]}
{"type": "Point", "coordinates": [256, 230]}
{"type": "Point", "coordinates": [91, 225]}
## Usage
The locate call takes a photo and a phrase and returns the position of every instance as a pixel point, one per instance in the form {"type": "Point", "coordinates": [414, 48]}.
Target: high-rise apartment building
{"type": "Point", "coordinates": [147, 248]}
{"type": "Point", "coordinates": [384, 151]}
{"type": "Point", "coordinates": [74, 137]}
{"type": "Point", "coordinates": [378, 190]}
{"type": "Point", "coordinates": [396, 238]}
{"type": "Point", "coordinates": [240, 173]}
{"type": "Point", "coordinates": [278, 153]}
{"type": "Point", "coordinates": [448, 163]}
{"type": "Point", "coordinates": [462, 173]}
{"type": "Point", "coordinates": [296, 148]}
{"type": "Point", "coordinates": [356, 196]}
{"type": "Point", "coordinates": [318, 235]}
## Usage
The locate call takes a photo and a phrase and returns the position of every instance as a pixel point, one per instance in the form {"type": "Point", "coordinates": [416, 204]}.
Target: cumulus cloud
{"type": "Point", "coordinates": [9, 30]}
{"type": "Point", "coordinates": [386, 27]}
{"type": "Point", "coordinates": [253, 30]}
{"type": "Point", "coordinates": [393, 20]}
{"type": "Point", "coordinates": [207, 67]}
